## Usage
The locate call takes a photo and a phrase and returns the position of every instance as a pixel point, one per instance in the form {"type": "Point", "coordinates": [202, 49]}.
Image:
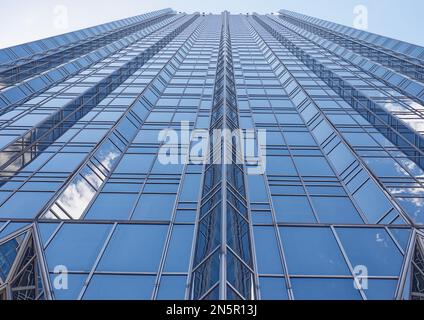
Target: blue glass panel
{"type": "Point", "coordinates": [134, 248]}
{"type": "Point", "coordinates": [381, 289]}
{"type": "Point", "coordinates": [179, 252]}
{"type": "Point", "coordinates": [122, 287]}
{"type": "Point", "coordinates": [312, 251]}
{"type": "Point", "coordinates": [17, 205]}
{"type": "Point", "coordinates": [172, 288]}
{"type": "Point", "coordinates": [324, 289]}
{"type": "Point", "coordinates": [46, 230]}
{"type": "Point", "coordinates": [76, 246]}
{"type": "Point", "coordinates": [273, 288]}
{"type": "Point", "coordinates": [313, 166]}
{"type": "Point", "coordinates": [372, 248]}
{"type": "Point", "coordinates": [134, 163]}
{"type": "Point", "coordinates": [299, 139]}
{"type": "Point", "coordinates": [257, 191]}
{"type": "Point", "coordinates": [191, 187]}
{"type": "Point", "coordinates": [336, 210]}
{"type": "Point", "coordinates": [156, 207]}
{"type": "Point", "coordinates": [372, 201]}
{"type": "Point", "coordinates": [414, 207]}
{"type": "Point", "coordinates": [64, 162]}
{"type": "Point", "coordinates": [267, 253]}
{"type": "Point", "coordinates": [280, 166]}
{"type": "Point", "coordinates": [75, 283]}
{"type": "Point", "coordinates": [402, 236]}
{"type": "Point", "coordinates": [293, 209]}
{"type": "Point", "coordinates": [111, 206]}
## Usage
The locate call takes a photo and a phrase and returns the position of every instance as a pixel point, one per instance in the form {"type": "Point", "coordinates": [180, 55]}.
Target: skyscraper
{"type": "Point", "coordinates": [202, 157]}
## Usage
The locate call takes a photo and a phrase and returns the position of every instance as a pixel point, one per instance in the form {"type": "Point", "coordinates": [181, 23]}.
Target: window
{"type": "Point", "coordinates": [313, 166]}
{"type": "Point", "coordinates": [191, 187]}
{"type": "Point", "coordinates": [341, 158]}
{"type": "Point", "coordinates": [75, 284]}
{"type": "Point", "coordinates": [135, 163]}
{"type": "Point", "coordinates": [293, 209]}
{"type": "Point", "coordinates": [414, 207]}
{"type": "Point", "coordinates": [76, 246]}
{"type": "Point", "coordinates": [172, 288]}
{"type": "Point", "coordinates": [166, 168]}
{"type": "Point", "coordinates": [120, 287]}
{"type": "Point", "coordinates": [46, 230]}
{"type": "Point", "coordinates": [17, 205]}
{"type": "Point", "coordinates": [324, 289]}
{"type": "Point", "coordinates": [111, 206]}
{"type": "Point", "coordinates": [372, 201]}
{"type": "Point", "coordinates": [156, 207]}
{"type": "Point", "coordinates": [89, 136]}
{"type": "Point", "coordinates": [381, 289]}
{"type": "Point", "coordinates": [358, 139]}
{"type": "Point", "coordinates": [134, 248]}
{"type": "Point", "coordinates": [257, 191]}
{"type": "Point", "coordinates": [273, 288]}
{"type": "Point", "coordinates": [267, 253]}
{"type": "Point", "coordinates": [274, 138]}
{"type": "Point", "coordinates": [64, 162]}
{"type": "Point", "coordinates": [312, 251]}
{"type": "Point", "coordinates": [386, 167]}
{"type": "Point", "coordinates": [402, 236]}
{"type": "Point", "coordinates": [373, 248]}
{"type": "Point", "coordinates": [289, 118]}
{"type": "Point", "coordinates": [159, 117]}
{"type": "Point", "coordinates": [336, 210]}
{"type": "Point", "coordinates": [179, 252]}
{"type": "Point", "coordinates": [299, 139]}
{"type": "Point", "coordinates": [280, 166]}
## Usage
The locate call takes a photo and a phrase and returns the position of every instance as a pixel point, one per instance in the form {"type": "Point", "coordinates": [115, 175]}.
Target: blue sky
{"type": "Point", "coordinates": [32, 20]}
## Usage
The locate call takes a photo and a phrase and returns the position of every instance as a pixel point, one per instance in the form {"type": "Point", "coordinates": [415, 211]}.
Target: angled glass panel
{"type": "Point", "coordinates": [312, 251]}
{"type": "Point", "coordinates": [372, 248]}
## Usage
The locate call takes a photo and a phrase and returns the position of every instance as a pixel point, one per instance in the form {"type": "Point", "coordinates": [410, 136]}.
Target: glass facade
{"type": "Point", "coordinates": [309, 185]}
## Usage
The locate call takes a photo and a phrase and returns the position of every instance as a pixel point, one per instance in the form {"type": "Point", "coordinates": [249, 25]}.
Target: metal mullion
{"type": "Point", "coordinates": [209, 291]}
{"type": "Point", "coordinates": [237, 256]}
{"type": "Point", "coordinates": [236, 291]}
{"type": "Point", "coordinates": [193, 268]}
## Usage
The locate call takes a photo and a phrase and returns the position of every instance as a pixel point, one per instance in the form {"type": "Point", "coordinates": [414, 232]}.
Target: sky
{"type": "Point", "coordinates": [28, 20]}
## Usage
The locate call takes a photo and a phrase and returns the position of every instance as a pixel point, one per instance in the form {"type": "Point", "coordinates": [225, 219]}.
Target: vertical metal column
{"type": "Point", "coordinates": [223, 267]}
